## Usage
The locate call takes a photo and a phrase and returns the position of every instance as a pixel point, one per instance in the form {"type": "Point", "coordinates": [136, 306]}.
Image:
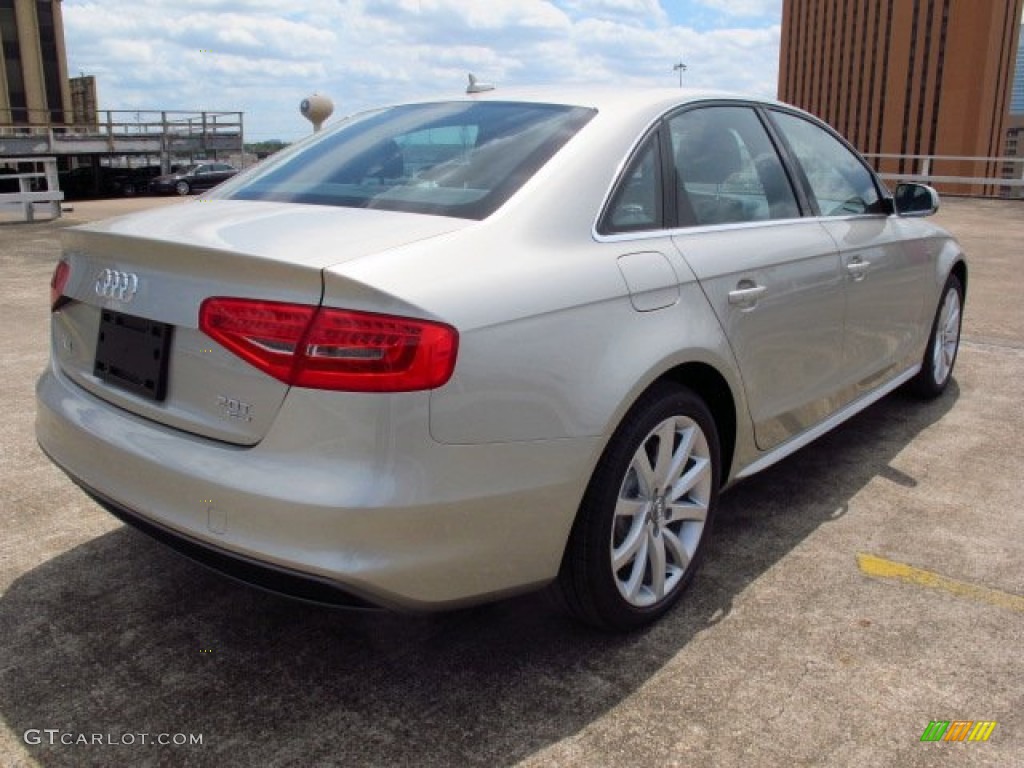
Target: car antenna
{"type": "Point", "coordinates": [475, 86]}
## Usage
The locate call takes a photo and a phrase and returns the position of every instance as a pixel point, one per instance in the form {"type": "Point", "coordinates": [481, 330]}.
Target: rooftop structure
{"type": "Point", "coordinates": [44, 113]}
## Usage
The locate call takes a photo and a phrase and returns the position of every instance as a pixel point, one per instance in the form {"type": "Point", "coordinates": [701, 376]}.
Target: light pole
{"type": "Point", "coordinates": [680, 68]}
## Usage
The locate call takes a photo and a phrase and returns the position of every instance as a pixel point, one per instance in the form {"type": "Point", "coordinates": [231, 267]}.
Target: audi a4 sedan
{"type": "Point", "coordinates": [449, 351]}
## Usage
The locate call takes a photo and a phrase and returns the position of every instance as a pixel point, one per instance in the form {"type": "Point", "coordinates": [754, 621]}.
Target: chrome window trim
{"type": "Point", "coordinates": [619, 237]}
{"type": "Point", "coordinates": [656, 123]}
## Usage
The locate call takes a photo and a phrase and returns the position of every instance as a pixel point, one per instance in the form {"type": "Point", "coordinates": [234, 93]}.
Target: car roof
{"type": "Point", "coordinates": [603, 97]}
{"type": "Point", "coordinates": [627, 102]}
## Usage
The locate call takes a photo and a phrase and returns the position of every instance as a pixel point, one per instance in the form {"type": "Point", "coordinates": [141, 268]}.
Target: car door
{"type": "Point", "coordinates": [885, 272]}
{"type": "Point", "coordinates": [221, 172]}
{"type": "Point", "coordinates": [772, 277]}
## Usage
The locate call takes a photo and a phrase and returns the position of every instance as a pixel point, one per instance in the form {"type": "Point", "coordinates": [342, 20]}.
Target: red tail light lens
{"type": "Point", "coordinates": [325, 348]}
{"type": "Point", "coordinates": [58, 282]}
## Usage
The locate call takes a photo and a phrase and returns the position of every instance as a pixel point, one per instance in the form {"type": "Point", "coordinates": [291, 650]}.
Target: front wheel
{"type": "Point", "coordinates": [645, 518]}
{"type": "Point", "coordinates": [943, 343]}
{"type": "Point", "coordinates": [182, 188]}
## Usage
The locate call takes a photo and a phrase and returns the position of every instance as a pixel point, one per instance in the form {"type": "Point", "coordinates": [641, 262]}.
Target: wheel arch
{"type": "Point", "coordinates": [712, 387]}
{"type": "Point", "coordinates": [959, 269]}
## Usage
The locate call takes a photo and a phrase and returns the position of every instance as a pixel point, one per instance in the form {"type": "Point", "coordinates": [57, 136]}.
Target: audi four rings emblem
{"type": "Point", "coordinates": [116, 285]}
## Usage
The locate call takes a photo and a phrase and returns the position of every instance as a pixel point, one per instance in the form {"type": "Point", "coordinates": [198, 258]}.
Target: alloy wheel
{"type": "Point", "coordinates": [661, 511]}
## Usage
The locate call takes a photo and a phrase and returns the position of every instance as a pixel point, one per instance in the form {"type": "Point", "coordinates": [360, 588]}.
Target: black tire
{"type": "Point", "coordinates": [182, 188]}
{"type": "Point", "coordinates": [128, 190]}
{"type": "Point", "coordinates": [943, 343]}
{"type": "Point", "coordinates": [627, 597]}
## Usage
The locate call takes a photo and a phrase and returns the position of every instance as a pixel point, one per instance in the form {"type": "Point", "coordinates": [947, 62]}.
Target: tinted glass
{"type": "Point", "coordinates": [636, 203]}
{"type": "Point", "coordinates": [838, 179]}
{"type": "Point", "coordinates": [727, 168]}
{"type": "Point", "coordinates": [452, 159]}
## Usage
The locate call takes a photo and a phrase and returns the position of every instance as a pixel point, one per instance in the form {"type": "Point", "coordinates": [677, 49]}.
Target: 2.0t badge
{"type": "Point", "coordinates": [117, 285]}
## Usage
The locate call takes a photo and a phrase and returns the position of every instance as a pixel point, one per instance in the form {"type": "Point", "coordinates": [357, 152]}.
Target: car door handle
{"type": "Point", "coordinates": [857, 267]}
{"type": "Point", "coordinates": [746, 294]}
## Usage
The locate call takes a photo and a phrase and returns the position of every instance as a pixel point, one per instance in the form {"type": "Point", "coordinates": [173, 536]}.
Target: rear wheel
{"type": "Point", "coordinates": [943, 343]}
{"type": "Point", "coordinates": [643, 525]}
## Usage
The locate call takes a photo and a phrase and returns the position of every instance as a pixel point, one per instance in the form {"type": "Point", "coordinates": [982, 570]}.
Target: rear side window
{"type": "Point", "coordinates": [460, 159]}
{"type": "Point", "coordinates": [727, 168]}
{"type": "Point", "coordinates": [841, 184]}
{"type": "Point", "coordinates": [636, 204]}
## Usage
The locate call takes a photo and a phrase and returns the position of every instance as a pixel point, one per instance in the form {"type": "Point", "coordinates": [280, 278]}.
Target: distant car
{"type": "Point", "coordinates": [450, 351]}
{"type": "Point", "coordinates": [194, 178]}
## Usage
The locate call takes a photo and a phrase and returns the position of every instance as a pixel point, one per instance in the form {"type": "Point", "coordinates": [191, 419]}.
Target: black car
{"type": "Point", "coordinates": [194, 178]}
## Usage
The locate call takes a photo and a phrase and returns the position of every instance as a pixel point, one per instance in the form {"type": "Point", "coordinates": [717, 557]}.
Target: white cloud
{"type": "Point", "coordinates": [632, 12]}
{"type": "Point", "coordinates": [761, 8]}
{"type": "Point", "coordinates": [264, 56]}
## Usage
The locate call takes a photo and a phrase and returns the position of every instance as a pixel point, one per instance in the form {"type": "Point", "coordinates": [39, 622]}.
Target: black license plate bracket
{"type": "Point", "coordinates": [132, 353]}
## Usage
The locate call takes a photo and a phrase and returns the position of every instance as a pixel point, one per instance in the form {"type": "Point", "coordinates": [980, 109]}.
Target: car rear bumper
{"type": "Point", "coordinates": [390, 518]}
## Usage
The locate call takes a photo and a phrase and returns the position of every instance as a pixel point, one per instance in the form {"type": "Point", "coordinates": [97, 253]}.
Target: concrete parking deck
{"type": "Point", "coordinates": [858, 591]}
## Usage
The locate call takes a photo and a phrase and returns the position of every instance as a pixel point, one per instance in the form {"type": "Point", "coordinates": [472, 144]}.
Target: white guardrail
{"type": "Point", "coordinates": [925, 173]}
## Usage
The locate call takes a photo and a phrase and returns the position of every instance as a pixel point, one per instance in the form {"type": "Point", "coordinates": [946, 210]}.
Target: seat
{"type": "Point", "coordinates": [707, 156]}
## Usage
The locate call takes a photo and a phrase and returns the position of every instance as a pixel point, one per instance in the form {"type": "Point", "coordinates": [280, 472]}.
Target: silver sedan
{"type": "Point", "coordinates": [454, 350]}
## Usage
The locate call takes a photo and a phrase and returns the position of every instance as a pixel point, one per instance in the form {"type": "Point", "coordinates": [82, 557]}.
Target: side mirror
{"type": "Point", "coordinates": [915, 200]}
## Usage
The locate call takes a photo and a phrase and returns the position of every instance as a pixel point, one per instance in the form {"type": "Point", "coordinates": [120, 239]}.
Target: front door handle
{"type": "Point", "coordinates": [746, 294]}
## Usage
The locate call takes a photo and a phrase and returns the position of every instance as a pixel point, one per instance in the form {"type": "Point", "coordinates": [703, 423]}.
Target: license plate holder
{"type": "Point", "coordinates": [132, 354]}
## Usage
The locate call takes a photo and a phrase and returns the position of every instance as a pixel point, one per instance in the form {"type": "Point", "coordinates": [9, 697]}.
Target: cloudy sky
{"type": "Point", "coordinates": [263, 56]}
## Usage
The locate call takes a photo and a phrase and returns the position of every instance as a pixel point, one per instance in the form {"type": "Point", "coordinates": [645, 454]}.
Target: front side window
{"type": "Point", "coordinates": [840, 182]}
{"type": "Point", "coordinates": [459, 159]}
{"type": "Point", "coordinates": [727, 168]}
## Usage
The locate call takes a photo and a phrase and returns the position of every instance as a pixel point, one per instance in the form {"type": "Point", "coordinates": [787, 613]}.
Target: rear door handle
{"type": "Point", "coordinates": [858, 267]}
{"type": "Point", "coordinates": [746, 294]}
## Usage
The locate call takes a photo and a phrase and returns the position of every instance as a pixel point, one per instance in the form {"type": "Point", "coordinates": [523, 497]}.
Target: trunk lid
{"type": "Point", "coordinates": [140, 281]}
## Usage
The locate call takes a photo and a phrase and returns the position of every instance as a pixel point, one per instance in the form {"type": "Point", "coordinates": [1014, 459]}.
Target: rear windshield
{"type": "Point", "coordinates": [460, 159]}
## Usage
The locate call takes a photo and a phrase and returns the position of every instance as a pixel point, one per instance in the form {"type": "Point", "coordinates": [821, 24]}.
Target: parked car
{"type": "Point", "coordinates": [194, 178]}
{"type": "Point", "coordinates": [450, 351]}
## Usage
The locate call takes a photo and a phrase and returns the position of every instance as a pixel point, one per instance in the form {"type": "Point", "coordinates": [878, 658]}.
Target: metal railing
{"type": "Point", "coordinates": [926, 171]}
{"type": "Point", "coordinates": [167, 134]}
{"type": "Point", "coordinates": [127, 123]}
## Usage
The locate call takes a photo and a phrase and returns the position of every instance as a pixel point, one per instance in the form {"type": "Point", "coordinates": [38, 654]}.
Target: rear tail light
{"type": "Point", "coordinates": [58, 282]}
{"type": "Point", "coordinates": [325, 348]}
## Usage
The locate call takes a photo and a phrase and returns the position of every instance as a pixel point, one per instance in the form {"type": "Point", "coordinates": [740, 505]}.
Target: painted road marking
{"type": "Point", "coordinates": [889, 569]}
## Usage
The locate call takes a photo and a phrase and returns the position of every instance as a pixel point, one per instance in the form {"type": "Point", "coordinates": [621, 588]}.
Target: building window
{"type": "Point", "coordinates": [51, 60]}
{"type": "Point", "coordinates": [12, 62]}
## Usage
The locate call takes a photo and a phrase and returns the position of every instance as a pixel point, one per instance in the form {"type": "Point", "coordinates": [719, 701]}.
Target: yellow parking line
{"type": "Point", "coordinates": [889, 569]}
